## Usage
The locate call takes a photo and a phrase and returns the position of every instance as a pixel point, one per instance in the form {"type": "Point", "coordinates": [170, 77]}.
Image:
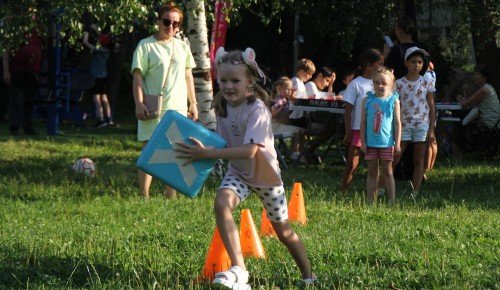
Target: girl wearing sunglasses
{"type": "Point", "coordinates": [162, 66]}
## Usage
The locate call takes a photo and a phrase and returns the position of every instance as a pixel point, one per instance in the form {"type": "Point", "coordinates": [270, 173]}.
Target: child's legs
{"type": "Point", "coordinates": [372, 179]}
{"type": "Point", "coordinates": [98, 107]}
{"type": "Point", "coordinates": [297, 142]}
{"type": "Point", "coordinates": [428, 156]}
{"type": "Point", "coordinates": [431, 154]}
{"type": "Point", "coordinates": [397, 158]}
{"type": "Point", "coordinates": [387, 173]}
{"type": "Point", "coordinates": [395, 162]}
{"type": "Point", "coordinates": [225, 203]}
{"type": "Point", "coordinates": [350, 166]}
{"type": "Point", "coordinates": [232, 192]}
{"type": "Point", "coordinates": [419, 138]}
{"type": "Point", "coordinates": [170, 193]}
{"type": "Point", "coordinates": [352, 159]}
{"type": "Point", "coordinates": [434, 146]}
{"type": "Point", "coordinates": [418, 164]}
{"type": "Point", "coordinates": [274, 201]}
{"type": "Point", "coordinates": [144, 179]}
{"type": "Point", "coordinates": [295, 246]}
{"type": "Point", "coordinates": [105, 105]}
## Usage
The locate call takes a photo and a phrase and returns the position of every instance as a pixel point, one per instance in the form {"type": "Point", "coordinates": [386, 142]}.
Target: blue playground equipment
{"type": "Point", "coordinates": [61, 89]}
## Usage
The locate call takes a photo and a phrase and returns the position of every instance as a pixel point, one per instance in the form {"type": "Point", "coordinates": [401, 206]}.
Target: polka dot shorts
{"type": "Point", "coordinates": [273, 199]}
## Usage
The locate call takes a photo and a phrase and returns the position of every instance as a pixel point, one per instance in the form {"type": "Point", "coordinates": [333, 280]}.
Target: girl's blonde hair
{"type": "Point", "coordinates": [306, 65]}
{"type": "Point", "coordinates": [278, 84]}
{"type": "Point", "coordinates": [388, 72]}
{"type": "Point", "coordinates": [252, 71]}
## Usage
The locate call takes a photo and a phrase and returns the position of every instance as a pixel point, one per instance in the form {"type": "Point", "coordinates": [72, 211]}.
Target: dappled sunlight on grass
{"type": "Point", "coordinates": [66, 230]}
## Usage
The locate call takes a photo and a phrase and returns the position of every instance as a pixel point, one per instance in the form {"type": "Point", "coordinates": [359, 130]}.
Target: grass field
{"type": "Point", "coordinates": [62, 230]}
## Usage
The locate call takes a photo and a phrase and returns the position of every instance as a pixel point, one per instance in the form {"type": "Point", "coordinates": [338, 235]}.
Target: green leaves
{"type": "Point", "coordinates": [119, 17]}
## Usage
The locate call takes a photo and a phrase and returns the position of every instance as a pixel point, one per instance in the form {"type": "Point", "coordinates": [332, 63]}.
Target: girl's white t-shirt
{"type": "Point", "coordinates": [413, 97]}
{"type": "Point", "coordinates": [354, 94]}
{"type": "Point", "coordinates": [298, 85]}
{"type": "Point", "coordinates": [251, 124]}
{"type": "Point", "coordinates": [311, 88]}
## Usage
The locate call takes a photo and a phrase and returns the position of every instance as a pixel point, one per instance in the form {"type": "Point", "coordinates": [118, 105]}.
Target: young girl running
{"type": "Point", "coordinates": [244, 121]}
{"type": "Point", "coordinates": [380, 132]}
{"type": "Point", "coordinates": [370, 61]}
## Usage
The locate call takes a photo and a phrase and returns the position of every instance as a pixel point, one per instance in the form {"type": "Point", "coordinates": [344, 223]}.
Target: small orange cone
{"type": "Point", "coordinates": [266, 229]}
{"type": "Point", "coordinates": [251, 246]}
{"type": "Point", "coordinates": [296, 207]}
{"type": "Point", "coordinates": [217, 259]}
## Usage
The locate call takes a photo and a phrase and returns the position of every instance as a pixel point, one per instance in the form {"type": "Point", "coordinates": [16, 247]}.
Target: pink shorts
{"type": "Point", "coordinates": [356, 138]}
{"type": "Point", "coordinates": [386, 154]}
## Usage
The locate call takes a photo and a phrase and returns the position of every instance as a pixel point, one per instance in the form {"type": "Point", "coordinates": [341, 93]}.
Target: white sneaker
{"type": "Point", "coordinates": [235, 278]}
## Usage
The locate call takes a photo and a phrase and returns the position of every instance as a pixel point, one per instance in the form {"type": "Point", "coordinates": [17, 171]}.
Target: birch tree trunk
{"type": "Point", "coordinates": [198, 37]}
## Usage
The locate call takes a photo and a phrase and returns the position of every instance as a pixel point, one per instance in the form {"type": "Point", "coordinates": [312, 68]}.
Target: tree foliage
{"type": "Point", "coordinates": [66, 16]}
{"type": "Point", "coordinates": [342, 26]}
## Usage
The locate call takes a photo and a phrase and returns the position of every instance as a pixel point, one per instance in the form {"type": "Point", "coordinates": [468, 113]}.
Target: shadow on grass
{"type": "Point", "coordinates": [51, 271]}
{"type": "Point", "coordinates": [475, 184]}
{"type": "Point", "coordinates": [34, 178]}
{"type": "Point", "coordinates": [70, 130]}
{"type": "Point", "coordinates": [18, 271]}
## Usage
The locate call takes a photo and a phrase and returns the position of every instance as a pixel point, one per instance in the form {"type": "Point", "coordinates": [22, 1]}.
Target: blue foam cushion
{"type": "Point", "coordinates": [158, 159]}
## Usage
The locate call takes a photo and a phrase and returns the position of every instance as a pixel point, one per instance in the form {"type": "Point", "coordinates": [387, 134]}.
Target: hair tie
{"type": "Point", "coordinates": [249, 58]}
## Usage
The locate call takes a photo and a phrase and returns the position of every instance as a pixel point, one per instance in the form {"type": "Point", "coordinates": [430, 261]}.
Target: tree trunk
{"type": "Point", "coordinates": [198, 37]}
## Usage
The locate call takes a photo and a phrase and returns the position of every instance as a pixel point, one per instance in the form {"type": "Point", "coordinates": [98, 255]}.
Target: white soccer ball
{"type": "Point", "coordinates": [85, 166]}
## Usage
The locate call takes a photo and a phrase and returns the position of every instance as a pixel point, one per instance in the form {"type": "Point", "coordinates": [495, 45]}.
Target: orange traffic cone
{"type": "Point", "coordinates": [217, 259]}
{"type": "Point", "coordinates": [251, 246]}
{"type": "Point", "coordinates": [266, 229]}
{"type": "Point", "coordinates": [296, 207]}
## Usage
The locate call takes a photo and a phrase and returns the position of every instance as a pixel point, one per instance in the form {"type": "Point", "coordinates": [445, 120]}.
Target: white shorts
{"type": "Point", "coordinates": [418, 134]}
{"type": "Point", "coordinates": [273, 199]}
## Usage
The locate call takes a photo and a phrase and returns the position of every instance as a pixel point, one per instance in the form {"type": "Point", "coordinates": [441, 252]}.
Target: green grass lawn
{"type": "Point", "coordinates": [62, 230]}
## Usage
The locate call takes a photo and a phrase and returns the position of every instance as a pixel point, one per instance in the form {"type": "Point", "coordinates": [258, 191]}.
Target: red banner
{"type": "Point", "coordinates": [219, 29]}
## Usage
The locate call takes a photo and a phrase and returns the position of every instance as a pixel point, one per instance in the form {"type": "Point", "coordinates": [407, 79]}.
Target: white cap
{"type": "Point", "coordinates": [414, 49]}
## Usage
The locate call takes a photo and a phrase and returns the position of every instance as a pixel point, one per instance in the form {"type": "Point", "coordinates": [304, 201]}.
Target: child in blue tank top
{"type": "Point", "coordinates": [380, 132]}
